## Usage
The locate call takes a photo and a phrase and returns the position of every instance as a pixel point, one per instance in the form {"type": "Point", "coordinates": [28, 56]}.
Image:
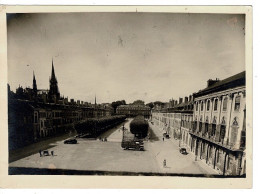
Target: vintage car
{"type": "Point", "coordinates": [165, 135]}
{"type": "Point", "coordinates": [183, 151]}
{"type": "Point", "coordinates": [70, 141]}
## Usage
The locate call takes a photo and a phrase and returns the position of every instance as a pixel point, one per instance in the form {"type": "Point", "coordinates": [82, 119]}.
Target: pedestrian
{"type": "Point", "coordinates": [164, 163]}
{"type": "Point", "coordinates": [163, 138]}
{"type": "Point", "coordinates": [52, 153]}
{"type": "Point", "coordinates": [40, 152]}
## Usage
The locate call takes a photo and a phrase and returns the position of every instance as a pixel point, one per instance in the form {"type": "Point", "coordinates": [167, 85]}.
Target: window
{"type": "Point", "coordinates": [208, 105]}
{"type": "Point", "coordinates": [35, 118]}
{"type": "Point", "coordinates": [225, 104]}
{"type": "Point", "coordinates": [216, 104]}
{"type": "Point", "coordinates": [237, 103]}
{"type": "Point", "coordinates": [200, 126]}
{"type": "Point", "coordinates": [201, 106]}
{"type": "Point", "coordinates": [213, 132]}
{"type": "Point", "coordinates": [222, 133]}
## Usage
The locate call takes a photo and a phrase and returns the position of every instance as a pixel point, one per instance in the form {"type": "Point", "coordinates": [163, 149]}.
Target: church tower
{"type": "Point", "coordinates": [34, 90]}
{"type": "Point", "coordinates": [54, 94]}
{"type": "Point", "coordinates": [34, 84]}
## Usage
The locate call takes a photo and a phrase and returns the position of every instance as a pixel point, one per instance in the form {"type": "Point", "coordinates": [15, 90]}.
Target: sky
{"type": "Point", "coordinates": [124, 56]}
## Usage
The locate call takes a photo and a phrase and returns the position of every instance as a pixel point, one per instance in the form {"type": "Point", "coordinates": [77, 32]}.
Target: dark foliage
{"type": "Point", "coordinates": [139, 126]}
{"type": "Point", "coordinates": [95, 126]}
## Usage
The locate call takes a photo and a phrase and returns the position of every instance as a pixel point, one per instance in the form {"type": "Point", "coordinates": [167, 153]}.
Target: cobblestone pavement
{"type": "Point", "coordinates": [109, 156]}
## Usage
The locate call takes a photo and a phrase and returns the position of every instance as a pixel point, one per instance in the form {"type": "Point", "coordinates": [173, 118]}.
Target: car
{"type": "Point", "coordinates": [70, 141]}
{"type": "Point", "coordinates": [166, 135]}
{"type": "Point", "coordinates": [183, 151]}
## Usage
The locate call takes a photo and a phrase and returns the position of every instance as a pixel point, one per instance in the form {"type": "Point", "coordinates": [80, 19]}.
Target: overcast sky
{"type": "Point", "coordinates": [130, 56]}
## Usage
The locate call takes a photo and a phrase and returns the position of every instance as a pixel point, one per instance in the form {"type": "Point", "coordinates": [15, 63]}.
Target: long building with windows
{"type": "Point", "coordinates": [211, 124]}
{"type": "Point", "coordinates": [34, 114]}
{"type": "Point", "coordinates": [133, 110]}
{"type": "Point", "coordinates": [219, 132]}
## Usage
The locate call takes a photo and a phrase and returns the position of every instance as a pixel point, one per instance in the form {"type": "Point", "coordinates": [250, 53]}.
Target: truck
{"type": "Point", "coordinates": [130, 142]}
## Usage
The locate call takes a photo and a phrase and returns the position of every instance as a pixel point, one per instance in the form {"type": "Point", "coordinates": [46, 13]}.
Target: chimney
{"type": "Point", "coordinates": [180, 100]}
{"type": "Point", "coordinates": [212, 82]}
{"type": "Point", "coordinates": [186, 99]}
{"type": "Point", "coordinates": [190, 98]}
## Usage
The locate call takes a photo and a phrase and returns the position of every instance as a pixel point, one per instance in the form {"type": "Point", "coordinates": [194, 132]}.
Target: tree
{"type": "Point", "coordinates": [138, 102]}
{"type": "Point", "coordinates": [151, 105]}
{"type": "Point", "coordinates": [118, 103]}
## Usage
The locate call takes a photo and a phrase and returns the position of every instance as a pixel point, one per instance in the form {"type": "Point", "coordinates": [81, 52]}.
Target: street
{"type": "Point", "coordinates": [96, 155]}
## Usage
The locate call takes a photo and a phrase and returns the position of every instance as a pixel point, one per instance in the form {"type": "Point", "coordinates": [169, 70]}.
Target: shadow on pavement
{"type": "Point", "coordinates": [46, 171]}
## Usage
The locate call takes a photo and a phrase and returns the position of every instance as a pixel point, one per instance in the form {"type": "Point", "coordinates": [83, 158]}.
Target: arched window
{"type": "Point", "coordinates": [201, 106]}
{"type": "Point", "coordinates": [237, 102]}
{"type": "Point", "coordinates": [216, 104]}
{"type": "Point", "coordinates": [208, 105]}
{"type": "Point", "coordinates": [225, 104]}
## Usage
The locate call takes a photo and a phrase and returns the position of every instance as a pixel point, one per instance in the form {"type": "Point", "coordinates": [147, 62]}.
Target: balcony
{"type": "Point", "coordinates": [212, 139]}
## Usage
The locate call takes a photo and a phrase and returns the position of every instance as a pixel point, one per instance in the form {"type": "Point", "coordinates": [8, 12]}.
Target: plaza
{"type": "Point", "coordinates": [96, 155]}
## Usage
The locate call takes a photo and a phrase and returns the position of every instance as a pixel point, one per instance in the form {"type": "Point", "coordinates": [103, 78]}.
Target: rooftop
{"type": "Point", "coordinates": [230, 82]}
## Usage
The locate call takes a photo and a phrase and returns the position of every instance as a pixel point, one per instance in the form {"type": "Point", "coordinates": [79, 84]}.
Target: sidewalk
{"type": "Point", "coordinates": [177, 162]}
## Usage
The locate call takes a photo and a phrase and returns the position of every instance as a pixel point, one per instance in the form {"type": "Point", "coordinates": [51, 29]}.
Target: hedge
{"type": "Point", "coordinates": [95, 126]}
{"type": "Point", "coordinates": [139, 126]}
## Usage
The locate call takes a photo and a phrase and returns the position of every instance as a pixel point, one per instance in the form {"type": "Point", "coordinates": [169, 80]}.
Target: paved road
{"type": "Point", "coordinates": [109, 156]}
{"type": "Point", "coordinates": [115, 134]}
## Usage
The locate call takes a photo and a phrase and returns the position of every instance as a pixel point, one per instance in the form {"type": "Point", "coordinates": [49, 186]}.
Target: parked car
{"type": "Point", "coordinates": [165, 135]}
{"type": "Point", "coordinates": [70, 141]}
{"type": "Point", "coordinates": [183, 151]}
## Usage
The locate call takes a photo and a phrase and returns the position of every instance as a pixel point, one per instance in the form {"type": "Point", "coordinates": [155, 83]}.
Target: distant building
{"type": "Point", "coordinates": [175, 120]}
{"type": "Point", "coordinates": [132, 110]}
{"type": "Point", "coordinates": [54, 94]}
{"type": "Point", "coordinates": [34, 114]}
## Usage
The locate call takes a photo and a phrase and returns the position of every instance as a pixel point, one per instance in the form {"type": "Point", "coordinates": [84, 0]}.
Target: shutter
{"type": "Point", "coordinates": [243, 139]}
{"type": "Point", "coordinates": [203, 128]}
{"type": "Point", "coordinates": [233, 135]}
{"type": "Point", "coordinates": [222, 132]}
{"type": "Point", "coordinates": [192, 125]}
{"type": "Point", "coordinates": [210, 129]}
{"type": "Point", "coordinates": [217, 136]}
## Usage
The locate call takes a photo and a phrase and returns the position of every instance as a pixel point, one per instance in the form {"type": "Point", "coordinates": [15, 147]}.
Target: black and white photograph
{"type": "Point", "coordinates": [127, 94]}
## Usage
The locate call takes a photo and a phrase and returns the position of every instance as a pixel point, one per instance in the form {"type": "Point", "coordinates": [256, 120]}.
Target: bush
{"type": "Point", "coordinates": [139, 126]}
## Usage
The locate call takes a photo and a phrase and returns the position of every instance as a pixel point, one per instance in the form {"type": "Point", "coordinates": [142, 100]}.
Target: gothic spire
{"type": "Point", "coordinates": [34, 83]}
{"type": "Point", "coordinates": [52, 72]}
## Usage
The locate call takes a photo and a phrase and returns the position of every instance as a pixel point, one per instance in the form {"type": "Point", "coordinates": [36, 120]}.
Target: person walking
{"type": "Point", "coordinates": [164, 163]}
{"type": "Point", "coordinates": [163, 138]}
{"type": "Point", "coordinates": [52, 153]}
{"type": "Point", "coordinates": [40, 152]}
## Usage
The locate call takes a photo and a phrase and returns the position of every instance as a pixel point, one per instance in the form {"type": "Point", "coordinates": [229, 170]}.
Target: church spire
{"type": "Point", "coordinates": [95, 101]}
{"type": "Point", "coordinates": [53, 72]}
{"type": "Point", "coordinates": [34, 83]}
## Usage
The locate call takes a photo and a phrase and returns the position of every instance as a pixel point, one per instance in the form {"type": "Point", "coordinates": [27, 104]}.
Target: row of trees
{"type": "Point", "coordinates": [95, 126]}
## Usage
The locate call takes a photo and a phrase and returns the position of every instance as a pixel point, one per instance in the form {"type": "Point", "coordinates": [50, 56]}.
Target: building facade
{"type": "Point", "coordinates": [175, 119]}
{"type": "Point", "coordinates": [211, 124]}
{"type": "Point", "coordinates": [34, 114]}
{"type": "Point", "coordinates": [218, 133]}
{"type": "Point", "coordinates": [132, 110]}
